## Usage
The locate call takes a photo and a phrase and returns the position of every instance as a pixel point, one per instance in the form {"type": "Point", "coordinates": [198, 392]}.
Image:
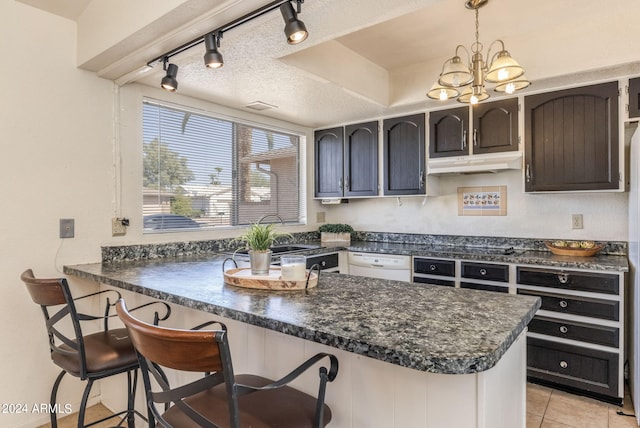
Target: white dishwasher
{"type": "Point", "coordinates": [383, 266]}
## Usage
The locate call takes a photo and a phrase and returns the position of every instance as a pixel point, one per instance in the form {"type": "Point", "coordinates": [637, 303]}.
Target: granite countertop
{"type": "Point", "coordinates": [424, 327]}
{"type": "Point", "coordinates": [603, 262]}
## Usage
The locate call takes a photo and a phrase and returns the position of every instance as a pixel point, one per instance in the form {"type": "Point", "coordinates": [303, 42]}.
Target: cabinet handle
{"type": "Point", "coordinates": [464, 139]}
{"type": "Point", "coordinates": [563, 278]}
{"type": "Point", "coordinates": [421, 180]}
{"type": "Point", "coordinates": [563, 303]}
{"type": "Point", "coordinates": [432, 267]}
{"type": "Point", "coordinates": [563, 329]}
{"type": "Point", "coordinates": [528, 173]}
{"type": "Point", "coordinates": [323, 263]}
{"type": "Point", "coordinates": [346, 182]}
{"type": "Point", "coordinates": [475, 137]}
{"type": "Point", "coordinates": [483, 272]}
{"type": "Point", "coordinates": [564, 364]}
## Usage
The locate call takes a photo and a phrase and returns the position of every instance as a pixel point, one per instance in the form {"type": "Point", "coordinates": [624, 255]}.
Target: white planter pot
{"type": "Point", "coordinates": [335, 237]}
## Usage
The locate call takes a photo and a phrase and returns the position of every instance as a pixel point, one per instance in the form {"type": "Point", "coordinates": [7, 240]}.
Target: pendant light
{"type": "Point", "coordinates": [472, 76]}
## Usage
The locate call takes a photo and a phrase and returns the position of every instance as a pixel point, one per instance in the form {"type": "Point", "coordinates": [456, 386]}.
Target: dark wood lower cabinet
{"type": "Point", "coordinates": [586, 369]}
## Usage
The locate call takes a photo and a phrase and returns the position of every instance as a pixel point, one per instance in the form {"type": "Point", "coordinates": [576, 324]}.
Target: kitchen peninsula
{"type": "Point", "coordinates": [410, 354]}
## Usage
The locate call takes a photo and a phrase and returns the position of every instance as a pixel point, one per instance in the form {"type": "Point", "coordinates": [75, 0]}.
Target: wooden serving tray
{"type": "Point", "coordinates": [570, 251]}
{"type": "Point", "coordinates": [242, 277]}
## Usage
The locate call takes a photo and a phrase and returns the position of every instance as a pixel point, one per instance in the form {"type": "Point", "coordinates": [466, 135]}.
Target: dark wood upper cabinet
{"type": "Point", "coordinates": [329, 156]}
{"type": "Point", "coordinates": [404, 155]}
{"type": "Point", "coordinates": [346, 161]}
{"type": "Point", "coordinates": [448, 132]}
{"type": "Point", "coordinates": [494, 129]}
{"type": "Point", "coordinates": [361, 159]}
{"type": "Point", "coordinates": [634, 97]}
{"type": "Point", "coordinates": [571, 139]}
{"type": "Point", "coordinates": [495, 126]}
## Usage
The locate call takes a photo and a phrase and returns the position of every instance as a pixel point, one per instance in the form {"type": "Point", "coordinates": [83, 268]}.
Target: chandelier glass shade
{"type": "Point", "coordinates": [466, 81]}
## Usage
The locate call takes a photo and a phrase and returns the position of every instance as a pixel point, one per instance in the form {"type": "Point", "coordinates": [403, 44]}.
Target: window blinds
{"type": "Point", "coordinates": [200, 171]}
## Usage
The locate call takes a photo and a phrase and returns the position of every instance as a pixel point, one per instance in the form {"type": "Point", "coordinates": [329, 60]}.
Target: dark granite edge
{"type": "Point", "coordinates": [526, 248]}
{"type": "Point", "coordinates": [417, 361]}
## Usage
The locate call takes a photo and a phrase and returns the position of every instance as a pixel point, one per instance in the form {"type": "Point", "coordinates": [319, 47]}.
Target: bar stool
{"type": "Point", "coordinates": [89, 357]}
{"type": "Point", "coordinates": [220, 398]}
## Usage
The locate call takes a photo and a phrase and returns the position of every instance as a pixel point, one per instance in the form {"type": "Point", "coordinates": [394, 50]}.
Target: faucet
{"type": "Point", "coordinates": [271, 215]}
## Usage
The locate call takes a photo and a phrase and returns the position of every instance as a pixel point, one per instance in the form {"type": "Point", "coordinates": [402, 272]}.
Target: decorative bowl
{"type": "Point", "coordinates": [567, 250]}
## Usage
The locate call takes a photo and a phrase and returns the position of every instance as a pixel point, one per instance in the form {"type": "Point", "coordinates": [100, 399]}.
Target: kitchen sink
{"type": "Point", "coordinates": [280, 249]}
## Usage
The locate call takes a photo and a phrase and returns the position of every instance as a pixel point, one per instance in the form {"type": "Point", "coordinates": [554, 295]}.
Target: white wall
{"type": "Point", "coordinates": [56, 163]}
{"type": "Point", "coordinates": [528, 215]}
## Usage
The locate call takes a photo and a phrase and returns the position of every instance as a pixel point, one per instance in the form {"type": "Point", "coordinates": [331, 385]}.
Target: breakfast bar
{"type": "Point", "coordinates": [410, 354]}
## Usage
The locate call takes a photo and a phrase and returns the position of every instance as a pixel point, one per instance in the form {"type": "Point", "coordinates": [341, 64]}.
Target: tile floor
{"type": "Point", "coordinates": [546, 408]}
{"type": "Point", "coordinates": [550, 408]}
{"type": "Point", "coordinates": [93, 414]}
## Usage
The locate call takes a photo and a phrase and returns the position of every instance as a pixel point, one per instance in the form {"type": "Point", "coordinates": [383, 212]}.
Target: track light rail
{"type": "Point", "coordinates": [219, 31]}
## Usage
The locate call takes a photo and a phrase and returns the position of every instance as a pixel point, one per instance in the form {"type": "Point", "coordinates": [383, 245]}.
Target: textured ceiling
{"type": "Point", "coordinates": [371, 58]}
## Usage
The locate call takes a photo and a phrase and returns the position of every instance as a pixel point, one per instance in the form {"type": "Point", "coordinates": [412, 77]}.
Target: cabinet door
{"type": "Point", "coordinates": [634, 97]}
{"type": "Point", "coordinates": [448, 132]}
{"type": "Point", "coordinates": [495, 126]}
{"type": "Point", "coordinates": [404, 158]}
{"type": "Point", "coordinates": [571, 139]}
{"type": "Point", "coordinates": [361, 159]}
{"type": "Point", "coordinates": [329, 155]}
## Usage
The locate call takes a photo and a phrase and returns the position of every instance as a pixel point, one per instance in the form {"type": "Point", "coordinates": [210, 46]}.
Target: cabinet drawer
{"type": "Point", "coordinates": [587, 369]}
{"type": "Point", "coordinates": [601, 335]}
{"type": "Point", "coordinates": [434, 281]}
{"type": "Point", "coordinates": [434, 266]}
{"type": "Point", "coordinates": [490, 272]}
{"type": "Point", "coordinates": [580, 281]}
{"type": "Point", "coordinates": [585, 306]}
{"type": "Point", "coordinates": [473, 285]}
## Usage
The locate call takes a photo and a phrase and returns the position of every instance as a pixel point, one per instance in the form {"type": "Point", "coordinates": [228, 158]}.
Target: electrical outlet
{"type": "Point", "coordinates": [320, 217]}
{"type": "Point", "coordinates": [67, 228]}
{"type": "Point", "coordinates": [118, 227]}
{"type": "Point", "coordinates": [576, 221]}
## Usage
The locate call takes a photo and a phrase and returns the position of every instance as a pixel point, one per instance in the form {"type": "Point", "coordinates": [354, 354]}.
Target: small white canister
{"type": "Point", "coordinates": [293, 268]}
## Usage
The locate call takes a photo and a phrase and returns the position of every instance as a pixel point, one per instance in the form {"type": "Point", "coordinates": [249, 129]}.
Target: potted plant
{"type": "Point", "coordinates": [332, 232]}
{"type": "Point", "coordinates": [258, 239]}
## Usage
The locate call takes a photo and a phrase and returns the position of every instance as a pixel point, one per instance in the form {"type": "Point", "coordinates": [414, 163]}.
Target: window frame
{"type": "Point", "coordinates": [234, 221]}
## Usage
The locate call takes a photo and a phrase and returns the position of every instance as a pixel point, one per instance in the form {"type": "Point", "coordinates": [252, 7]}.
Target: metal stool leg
{"type": "Point", "coordinates": [83, 404]}
{"type": "Point", "coordinates": [131, 397]}
{"type": "Point", "coordinates": [54, 393]}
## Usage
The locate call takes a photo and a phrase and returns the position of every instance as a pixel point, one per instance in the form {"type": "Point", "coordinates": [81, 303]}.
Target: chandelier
{"type": "Point", "coordinates": [467, 82]}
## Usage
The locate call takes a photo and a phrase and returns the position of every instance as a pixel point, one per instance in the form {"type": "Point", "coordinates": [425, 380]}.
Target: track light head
{"type": "Point", "coordinates": [294, 29]}
{"type": "Point", "coordinates": [169, 82]}
{"type": "Point", "coordinates": [212, 57]}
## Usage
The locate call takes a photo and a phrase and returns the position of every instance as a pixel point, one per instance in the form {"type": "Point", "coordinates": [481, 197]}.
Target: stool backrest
{"type": "Point", "coordinates": [50, 292]}
{"type": "Point", "coordinates": [186, 350]}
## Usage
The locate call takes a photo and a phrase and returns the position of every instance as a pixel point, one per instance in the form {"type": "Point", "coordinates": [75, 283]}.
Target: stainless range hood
{"type": "Point", "coordinates": [492, 162]}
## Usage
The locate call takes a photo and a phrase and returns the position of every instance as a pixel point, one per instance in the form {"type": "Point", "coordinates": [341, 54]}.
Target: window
{"type": "Point", "coordinates": [201, 171]}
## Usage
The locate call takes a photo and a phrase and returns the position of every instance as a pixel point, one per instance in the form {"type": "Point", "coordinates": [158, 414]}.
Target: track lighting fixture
{"type": "Point", "coordinates": [212, 57]}
{"type": "Point", "coordinates": [169, 82]}
{"type": "Point", "coordinates": [294, 29]}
